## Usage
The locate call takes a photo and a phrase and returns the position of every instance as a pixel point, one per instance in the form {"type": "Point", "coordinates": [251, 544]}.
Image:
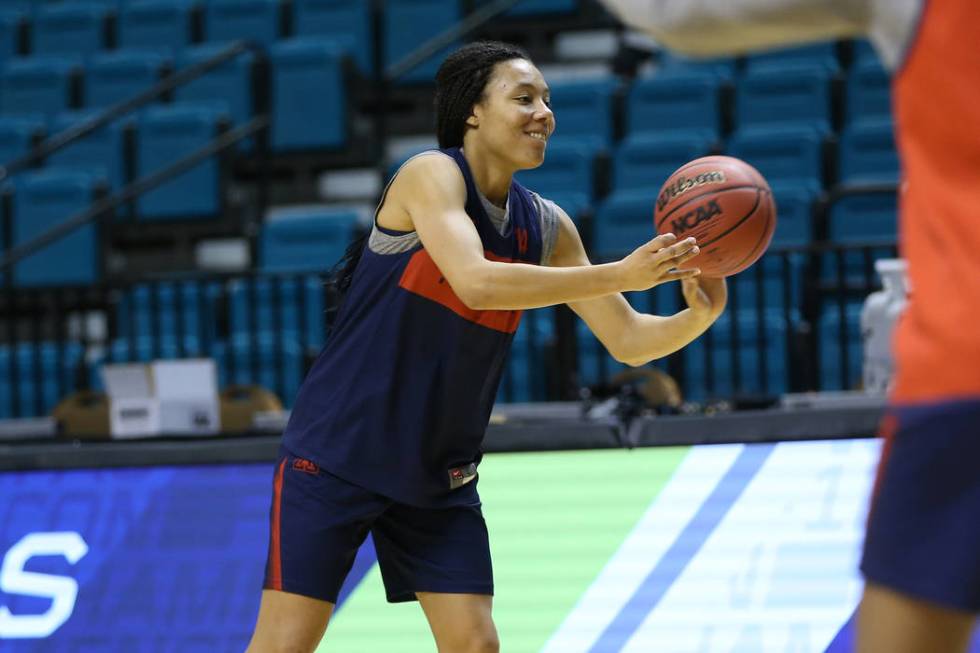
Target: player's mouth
{"type": "Point", "coordinates": [538, 135]}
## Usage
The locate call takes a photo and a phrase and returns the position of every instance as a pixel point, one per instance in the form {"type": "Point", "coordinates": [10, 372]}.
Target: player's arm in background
{"type": "Point", "coordinates": [705, 28]}
{"type": "Point", "coordinates": [637, 338]}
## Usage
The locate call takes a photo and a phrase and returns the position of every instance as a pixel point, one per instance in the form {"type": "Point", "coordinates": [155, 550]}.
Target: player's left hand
{"type": "Point", "coordinates": [705, 296]}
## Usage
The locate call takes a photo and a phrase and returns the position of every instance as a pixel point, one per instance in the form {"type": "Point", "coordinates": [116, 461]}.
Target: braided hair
{"type": "Point", "coordinates": [460, 83]}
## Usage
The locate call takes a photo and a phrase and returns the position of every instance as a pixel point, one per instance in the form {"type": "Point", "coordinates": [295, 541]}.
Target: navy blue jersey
{"type": "Point", "coordinates": [403, 391]}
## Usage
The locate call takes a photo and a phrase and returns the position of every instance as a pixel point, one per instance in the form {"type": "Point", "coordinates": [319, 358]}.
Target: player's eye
{"type": "Point", "coordinates": [523, 98]}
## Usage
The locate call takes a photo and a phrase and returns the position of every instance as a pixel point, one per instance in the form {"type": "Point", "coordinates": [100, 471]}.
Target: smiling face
{"type": "Point", "coordinates": [513, 119]}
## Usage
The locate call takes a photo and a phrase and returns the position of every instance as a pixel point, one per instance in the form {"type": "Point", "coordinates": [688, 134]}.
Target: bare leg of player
{"type": "Point", "coordinates": [889, 622]}
{"type": "Point", "coordinates": [289, 623]}
{"type": "Point", "coordinates": [461, 623]}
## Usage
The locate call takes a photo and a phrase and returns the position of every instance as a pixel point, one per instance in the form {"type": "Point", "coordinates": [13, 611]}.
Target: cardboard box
{"type": "Point", "coordinates": [172, 397]}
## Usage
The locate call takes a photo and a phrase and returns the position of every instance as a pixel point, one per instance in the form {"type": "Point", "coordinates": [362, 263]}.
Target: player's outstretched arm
{"type": "Point", "coordinates": [637, 338]}
{"type": "Point", "coordinates": [431, 191]}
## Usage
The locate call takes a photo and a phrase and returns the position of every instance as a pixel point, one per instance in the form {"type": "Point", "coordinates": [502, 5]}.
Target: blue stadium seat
{"type": "Point", "coordinates": [101, 151]}
{"type": "Point", "coordinates": [279, 366]}
{"type": "Point", "coordinates": [821, 54]}
{"type": "Point", "coordinates": [776, 280]}
{"type": "Point", "coordinates": [794, 211]}
{"type": "Point", "coordinates": [829, 331]}
{"type": "Point", "coordinates": [113, 77]}
{"type": "Point", "coordinates": [165, 134]}
{"type": "Point", "coordinates": [300, 313]}
{"type": "Point", "coordinates": [308, 68]}
{"type": "Point", "coordinates": [162, 25]}
{"type": "Point", "coordinates": [10, 23]}
{"type": "Point", "coordinates": [568, 171]}
{"type": "Point", "coordinates": [645, 161]}
{"type": "Point", "coordinates": [867, 152]}
{"type": "Point", "coordinates": [864, 51]}
{"type": "Point", "coordinates": [145, 349]}
{"type": "Point", "coordinates": [790, 93]}
{"type": "Point", "coordinates": [253, 20]}
{"type": "Point", "coordinates": [583, 109]}
{"type": "Point", "coordinates": [69, 28]}
{"type": "Point", "coordinates": [312, 240]}
{"type": "Point", "coordinates": [228, 86]}
{"type": "Point", "coordinates": [761, 369]}
{"type": "Point", "coordinates": [525, 376]}
{"type": "Point", "coordinates": [408, 23]}
{"type": "Point", "coordinates": [782, 153]}
{"type": "Point", "coordinates": [38, 84]}
{"type": "Point", "coordinates": [18, 135]}
{"type": "Point", "coordinates": [38, 373]}
{"type": "Point", "coordinates": [168, 312]}
{"type": "Point", "coordinates": [724, 68]}
{"type": "Point", "coordinates": [667, 103]}
{"type": "Point", "coordinates": [347, 21]}
{"type": "Point", "coordinates": [623, 222]}
{"type": "Point", "coordinates": [869, 92]}
{"type": "Point", "coordinates": [573, 202]}
{"type": "Point", "coordinates": [42, 200]}
{"type": "Point", "coordinates": [855, 219]}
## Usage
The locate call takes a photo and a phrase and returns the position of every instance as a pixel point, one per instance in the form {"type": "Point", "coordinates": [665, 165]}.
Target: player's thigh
{"type": "Point", "coordinates": [889, 622]}
{"type": "Point", "coordinates": [461, 623]}
{"type": "Point", "coordinates": [289, 623]}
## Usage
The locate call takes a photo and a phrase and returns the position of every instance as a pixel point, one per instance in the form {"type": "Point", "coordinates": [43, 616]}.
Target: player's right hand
{"type": "Point", "coordinates": [656, 262]}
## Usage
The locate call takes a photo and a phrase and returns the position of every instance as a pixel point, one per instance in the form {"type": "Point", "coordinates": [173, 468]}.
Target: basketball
{"type": "Point", "coordinates": [726, 205]}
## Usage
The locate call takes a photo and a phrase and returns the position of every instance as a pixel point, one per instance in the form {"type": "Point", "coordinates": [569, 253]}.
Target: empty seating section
{"type": "Point", "coordinates": [229, 86]}
{"type": "Point", "coordinates": [113, 77]}
{"type": "Point", "coordinates": [567, 176]}
{"type": "Point", "coordinates": [585, 108]}
{"type": "Point", "coordinates": [40, 84]}
{"type": "Point", "coordinates": [18, 135]}
{"type": "Point", "coordinates": [37, 376]}
{"type": "Point", "coordinates": [724, 68]}
{"type": "Point", "coordinates": [252, 20]}
{"type": "Point", "coordinates": [868, 91]}
{"type": "Point", "coordinates": [784, 154]}
{"type": "Point", "coordinates": [167, 317]}
{"type": "Point", "coordinates": [308, 93]}
{"type": "Point", "coordinates": [165, 134]}
{"type": "Point", "coordinates": [10, 27]}
{"type": "Point", "coordinates": [818, 54]}
{"type": "Point", "coordinates": [623, 222]}
{"type": "Point", "coordinates": [42, 200]}
{"type": "Point", "coordinates": [70, 28]}
{"type": "Point", "coordinates": [794, 93]}
{"type": "Point", "coordinates": [101, 151]}
{"type": "Point", "coordinates": [867, 151]}
{"type": "Point", "coordinates": [306, 239]}
{"type": "Point", "coordinates": [346, 21]}
{"type": "Point", "coordinates": [166, 26]}
{"type": "Point", "coordinates": [525, 376]}
{"type": "Point", "coordinates": [644, 161]}
{"type": "Point", "coordinates": [668, 103]}
{"type": "Point", "coordinates": [408, 23]}
{"type": "Point", "coordinates": [855, 219]}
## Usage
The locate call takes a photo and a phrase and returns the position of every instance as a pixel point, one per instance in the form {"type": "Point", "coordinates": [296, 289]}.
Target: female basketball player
{"type": "Point", "coordinates": [385, 435]}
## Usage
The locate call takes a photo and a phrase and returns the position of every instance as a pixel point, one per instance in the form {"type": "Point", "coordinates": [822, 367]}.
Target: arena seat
{"type": "Point", "coordinates": [308, 68]}
{"type": "Point", "coordinates": [42, 200]}
{"type": "Point", "coordinates": [169, 312]}
{"type": "Point", "coordinates": [829, 347]}
{"type": "Point", "coordinates": [408, 23]}
{"type": "Point", "coordinates": [773, 280]}
{"type": "Point", "coordinates": [228, 86]}
{"type": "Point", "coordinates": [568, 168]}
{"type": "Point", "coordinates": [38, 373]}
{"type": "Point", "coordinates": [165, 134]}
{"type": "Point", "coordinates": [71, 28]}
{"type": "Point", "coordinates": [101, 151]}
{"type": "Point", "coordinates": [644, 161]}
{"type": "Point", "coordinates": [163, 25]}
{"type": "Point", "coordinates": [313, 239]}
{"type": "Point", "coordinates": [788, 93]}
{"type": "Point", "coordinates": [10, 24]}
{"type": "Point", "coordinates": [524, 378]}
{"type": "Point", "coordinates": [867, 152]}
{"type": "Point", "coordinates": [623, 222]}
{"type": "Point", "coordinates": [794, 210]}
{"type": "Point", "coordinates": [723, 68]}
{"type": "Point", "coordinates": [38, 85]}
{"type": "Point", "coordinates": [18, 134]}
{"type": "Point", "coordinates": [112, 77]}
{"type": "Point", "coordinates": [278, 364]}
{"type": "Point", "coordinates": [821, 54]}
{"type": "Point", "coordinates": [253, 20]}
{"type": "Point", "coordinates": [855, 219]}
{"type": "Point", "coordinates": [868, 91]}
{"type": "Point", "coordinates": [668, 103]}
{"type": "Point", "coordinates": [292, 306]}
{"type": "Point", "coordinates": [784, 154]}
{"type": "Point", "coordinates": [585, 108]}
{"type": "Point", "coordinates": [346, 21]}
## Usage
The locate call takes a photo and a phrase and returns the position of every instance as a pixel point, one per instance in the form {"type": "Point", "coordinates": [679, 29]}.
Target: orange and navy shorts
{"type": "Point", "coordinates": [318, 522]}
{"type": "Point", "coordinates": [923, 536]}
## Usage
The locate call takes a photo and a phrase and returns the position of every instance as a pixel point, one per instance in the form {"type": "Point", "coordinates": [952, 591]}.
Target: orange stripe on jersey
{"type": "Point", "coordinates": [275, 553]}
{"type": "Point", "coordinates": [422, 277]}
{"type": "Point", "coordinates": [937, 111]}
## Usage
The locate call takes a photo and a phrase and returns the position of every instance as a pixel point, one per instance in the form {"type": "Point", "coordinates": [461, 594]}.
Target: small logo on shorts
{"type": "Point", "coordinates": [307, 466]}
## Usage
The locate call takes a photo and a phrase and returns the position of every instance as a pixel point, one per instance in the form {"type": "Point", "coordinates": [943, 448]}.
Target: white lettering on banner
{"type": "Point", "coordinates": [60, 589]}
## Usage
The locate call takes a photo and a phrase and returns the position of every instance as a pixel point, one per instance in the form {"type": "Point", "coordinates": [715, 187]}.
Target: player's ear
{"type": "Point", "coordinates": [474, 118]}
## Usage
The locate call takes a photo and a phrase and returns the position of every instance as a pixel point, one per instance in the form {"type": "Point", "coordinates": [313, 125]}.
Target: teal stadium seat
{"type": "Point", "coordinates": [10, 26]}
{"type": "Point", "coordinates": [867, 152]}
{"type": "Point", "coordinates": [644, 161]}
{"type": "Point", "coordinates": [583, 110]}
{"type": "Point", "coordinates": [70, 28]}
{"type": "Point", "coordinates": [290, 305]}
{"type": "Point", "coordinates": [791, 93]}
{"type": "Point", "coordinates": [525, 375]}
{"type": "Point", "coordinates": [41, 381]}
{"type": "Point", "coordinates": [166, 134]}
{"type": "Point", "coordinates": [833, 375]}
{"type": "Point", "coordinates": [868, 91]}
{"type": "Point", "coordinates": [101, 151]}
{"type": "Point", "coordinates": [567, 176]}
{"type": "Point", "coordinates": [305, 240]}
{"type": "Point", "coordinates": [41, 84]}
{"type": "Point", "coordinates": [42, 200]}
{"type": "Point", "coordinates": [346, 21]}
{"type": "Point", "coordinates": [308, 68]}
{"type": "Point", "coordinates": [623, 222]}
{"type": "Point", "coordinates": [160, 25]}
{"type": "Point", "coordinates": [113, 77]}
{"type": "Point", "coordinates": [855, 219]}
{"type": "Point", "coordinates": [169, 313]}
{"type": "Point", "coordinates": [274, 361]}
{"type": "Point", "coordinates": [229, 86]}
{"type": "Point", "coordinates": [18, 135]}
{"type": "Point", "coordinates": [667, 103]}
{"type": "Point", "coordinates": [252, 20]}
{"type": "Point", "coordinates": [724, 68]}
{"type": "Point", "coordinates": [821, 54]}
{"type": "Point", "coordinates": [408, 23]}
{"type": "Point", "coordinates": [784, 154]}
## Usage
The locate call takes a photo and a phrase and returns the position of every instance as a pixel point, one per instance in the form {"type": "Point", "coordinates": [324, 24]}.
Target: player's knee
{"type": "Point", "coordinates": [486, 642]}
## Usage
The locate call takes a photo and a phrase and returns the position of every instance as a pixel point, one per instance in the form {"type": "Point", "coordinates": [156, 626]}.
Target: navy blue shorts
{"type": "Point", "coordinates": [923, 536]}
{"type": "Point", "coordinates": [318, 522]}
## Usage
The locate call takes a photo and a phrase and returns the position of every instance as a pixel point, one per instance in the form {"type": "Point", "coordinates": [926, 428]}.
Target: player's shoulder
{"type": "Point", "coordinates": [427, 163]}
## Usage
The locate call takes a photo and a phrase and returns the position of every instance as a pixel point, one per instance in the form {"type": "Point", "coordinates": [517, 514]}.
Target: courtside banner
{"type": "Point", "coordinates": [710, 548]}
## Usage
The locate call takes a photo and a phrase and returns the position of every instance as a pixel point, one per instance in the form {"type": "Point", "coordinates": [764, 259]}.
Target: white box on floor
{"type": "Point", "coordinates": [174, 397]}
